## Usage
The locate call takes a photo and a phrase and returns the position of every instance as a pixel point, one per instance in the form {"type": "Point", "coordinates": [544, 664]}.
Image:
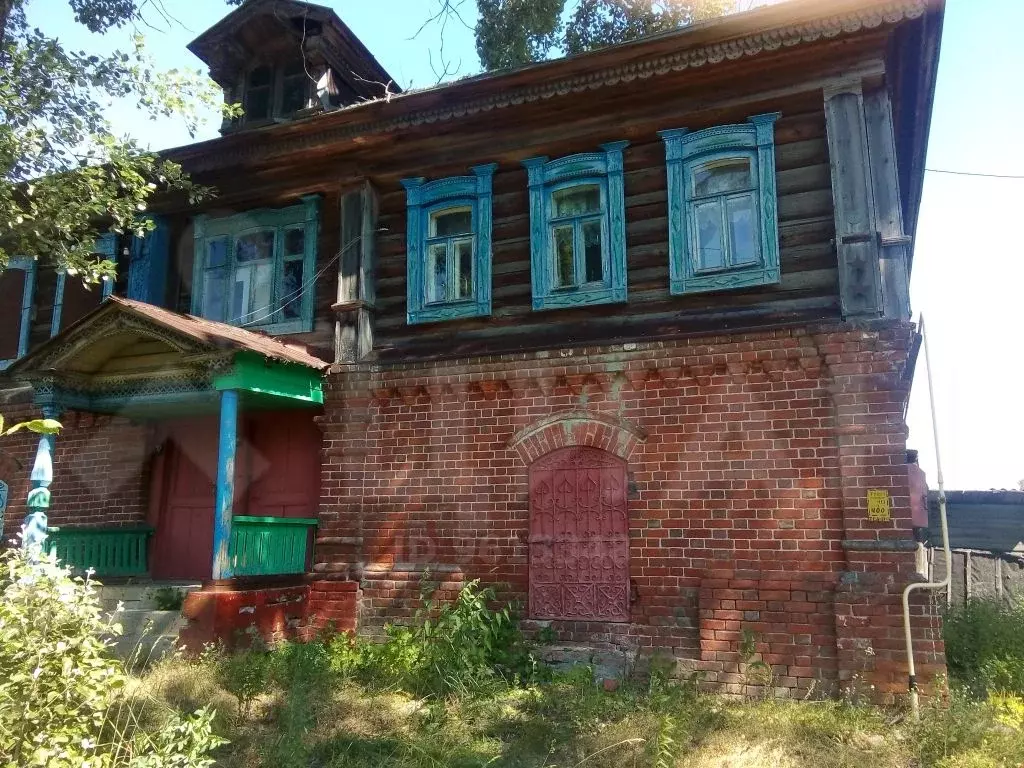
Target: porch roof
{"type": "Point", "coordinates": [131, 357]}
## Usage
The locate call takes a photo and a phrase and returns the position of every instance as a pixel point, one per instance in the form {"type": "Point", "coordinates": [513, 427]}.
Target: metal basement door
{"type": "Point", "coordinates": [579, 536]}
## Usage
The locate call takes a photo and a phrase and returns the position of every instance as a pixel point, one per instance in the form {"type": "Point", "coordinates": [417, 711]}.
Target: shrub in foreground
{"type": "Point", "coordinates": [63, 700]}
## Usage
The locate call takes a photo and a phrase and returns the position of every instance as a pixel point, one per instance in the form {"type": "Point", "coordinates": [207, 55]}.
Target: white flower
{"type": "Point", "coordinates": [88, 744]}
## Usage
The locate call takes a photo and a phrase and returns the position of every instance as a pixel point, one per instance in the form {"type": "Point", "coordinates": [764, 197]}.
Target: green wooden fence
{"type": "Point", "coordinates": [108, 551]}
{"type": "Point", "coordinates": [267, 546]}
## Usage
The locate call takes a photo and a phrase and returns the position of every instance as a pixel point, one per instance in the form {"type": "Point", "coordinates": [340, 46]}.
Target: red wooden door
{"type": "Point", "coordinates": [579, 536]}
{"type": "Point", "coordinates": [283, 460]}
{"type": "Point", "coordinates": [183, 542]}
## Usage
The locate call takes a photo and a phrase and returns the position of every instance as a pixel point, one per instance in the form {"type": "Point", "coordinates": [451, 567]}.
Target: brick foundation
{"type": "Point", "coordinates": [235, 615]}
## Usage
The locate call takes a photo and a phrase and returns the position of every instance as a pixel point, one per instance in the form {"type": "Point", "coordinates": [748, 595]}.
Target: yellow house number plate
{"type": "Point", "coordinates": [879, 508]}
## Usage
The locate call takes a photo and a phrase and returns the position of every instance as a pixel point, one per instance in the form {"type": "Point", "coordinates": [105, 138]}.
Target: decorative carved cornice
{"type": "Point", "coordinates": [751, 44]}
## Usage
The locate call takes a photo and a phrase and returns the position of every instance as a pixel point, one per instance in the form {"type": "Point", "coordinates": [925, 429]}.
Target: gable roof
{"type": "Point", "coordinates": [197, 334]}
{"type": "Point", "coordinates": [221, 48]}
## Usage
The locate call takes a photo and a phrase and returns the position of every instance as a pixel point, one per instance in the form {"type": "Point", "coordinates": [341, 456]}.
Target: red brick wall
{"type": "Point", "coordinates": [746, 452]}
{"type": "Point", "coordinates": [100, 468]}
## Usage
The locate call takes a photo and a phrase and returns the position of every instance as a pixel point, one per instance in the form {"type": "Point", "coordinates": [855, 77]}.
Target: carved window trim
{"type": "Point", "coordinates": [686, 151]}
{"type": "Point", "coordinates": [548, 176]}
{"type": "Point", "coordinates": [425, 198]}
{"type": "Point", "coordinates": [29, 266]}
{"type": "Point", "coordinates": [106, 246]}
{"type": "Point", "coordinates": [278, 220]}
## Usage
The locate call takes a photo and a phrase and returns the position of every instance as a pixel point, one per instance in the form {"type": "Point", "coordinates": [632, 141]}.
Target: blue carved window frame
{"type": "Point", "coordinates": [684, 153]}
{"type": "Point", "coordinates": [106, 246]}
{"type": "Point", "coordinates": [423, 199]}
{"type": "Point", "coordinates": [228, 229]}
{"type": "Point", "coordinates": [27, 264]}
{"type": "Point", "coordinates": [604, 169]}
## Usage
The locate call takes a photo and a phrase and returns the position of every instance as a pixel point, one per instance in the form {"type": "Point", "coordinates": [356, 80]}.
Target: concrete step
{"type": "Point", "coordinates": [144, 595]}
{"type": "Point", "coordinates": [147, 635]}
{"type": "Point", "coordinates": [607, 663]}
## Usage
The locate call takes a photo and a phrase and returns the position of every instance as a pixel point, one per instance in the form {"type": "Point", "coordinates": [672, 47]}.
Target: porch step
{"type": "Point", "coordinates": [607, 663]}
{"type": "Point", "coordinates": [147, 635]}
{"type": "Point", "coordinates": [145, 595]}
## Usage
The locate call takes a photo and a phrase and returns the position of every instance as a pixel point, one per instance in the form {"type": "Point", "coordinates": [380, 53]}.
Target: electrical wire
{"type": "Point", "coordinates": [981, 175]}
{"type": "Point", "coordinates": [280, 302]}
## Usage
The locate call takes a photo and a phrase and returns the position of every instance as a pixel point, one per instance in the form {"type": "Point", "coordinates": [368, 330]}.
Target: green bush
{"type": "Point", "coordinates": [62, 694]}
{"type": "Point", "coordinates": [985, 645]}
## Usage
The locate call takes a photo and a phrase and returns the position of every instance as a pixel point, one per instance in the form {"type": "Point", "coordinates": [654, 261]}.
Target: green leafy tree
{"type": "Point", "coordinates": [65, 175]}
{"type": "Point", "coordinates": [511, 33]}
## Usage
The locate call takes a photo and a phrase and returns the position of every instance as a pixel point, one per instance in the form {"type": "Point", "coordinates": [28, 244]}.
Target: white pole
{"type": "Point", "coordinates": [915, 706]}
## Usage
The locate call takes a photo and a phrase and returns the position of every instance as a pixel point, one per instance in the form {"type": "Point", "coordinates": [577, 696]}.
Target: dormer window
{"type": "Point", "coordinates": [259, 91]}
{"type": "Point", "coordinates": [270, 92]}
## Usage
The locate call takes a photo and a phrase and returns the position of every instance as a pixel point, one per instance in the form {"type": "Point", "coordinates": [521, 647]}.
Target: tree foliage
{"type": "Point", "coordinates": [510, 33]}
{"type": "Point", "coordinates": [65, 174]}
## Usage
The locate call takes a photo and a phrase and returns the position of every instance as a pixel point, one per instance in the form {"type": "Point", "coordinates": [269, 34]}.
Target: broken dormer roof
{"type": "Point", "coordinates": [261, 29]}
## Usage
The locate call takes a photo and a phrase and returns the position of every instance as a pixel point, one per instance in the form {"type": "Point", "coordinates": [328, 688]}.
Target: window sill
{"type": "Point", "coordinates": [726, 280]}
{"type": "Point", "coordinates": [442, 312]}
{"type": "Point", "coordinates": [282, 329]}
{"type": "Point", "coordinates": [579, 298]}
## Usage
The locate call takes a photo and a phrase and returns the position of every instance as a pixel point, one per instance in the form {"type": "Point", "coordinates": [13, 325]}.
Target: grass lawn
{"type": "Point", "coordinates": [321, 716]}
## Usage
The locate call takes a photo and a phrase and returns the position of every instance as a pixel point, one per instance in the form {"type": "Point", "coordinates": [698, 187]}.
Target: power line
{"type": "Point", "coordinates": [970, 173]}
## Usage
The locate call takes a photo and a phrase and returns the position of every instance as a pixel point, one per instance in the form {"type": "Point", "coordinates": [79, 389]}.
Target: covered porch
{"type": "Point", "coordinates": [231, 475]}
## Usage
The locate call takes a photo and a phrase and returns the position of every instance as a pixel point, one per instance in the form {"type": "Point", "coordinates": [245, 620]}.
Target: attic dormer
{"type": "Point", "coordinates": [283, 59]}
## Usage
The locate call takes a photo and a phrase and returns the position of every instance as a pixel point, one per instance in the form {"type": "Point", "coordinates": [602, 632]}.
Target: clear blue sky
{"type": "Point", "coordinates": [968, 274]}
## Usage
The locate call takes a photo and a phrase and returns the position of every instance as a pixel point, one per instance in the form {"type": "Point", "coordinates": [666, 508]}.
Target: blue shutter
{"type": "Point", "coordinates": [147, 270]}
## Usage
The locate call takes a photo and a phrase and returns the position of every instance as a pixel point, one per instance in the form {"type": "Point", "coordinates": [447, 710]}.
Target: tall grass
{"type": "Point", "coordinates": [985, 645]}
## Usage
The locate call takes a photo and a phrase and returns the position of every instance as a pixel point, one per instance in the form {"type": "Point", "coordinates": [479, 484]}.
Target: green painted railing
{"type": "Point", "coordinates": [269, 546]}
{"type": "Point", "coordinates": [108, 551]}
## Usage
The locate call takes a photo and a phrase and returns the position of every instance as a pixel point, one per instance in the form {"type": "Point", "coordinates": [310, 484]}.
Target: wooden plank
{"type": "Point", "coordinates": [894, 252]}
{"type": "Point", "coordinates": [856, 229]}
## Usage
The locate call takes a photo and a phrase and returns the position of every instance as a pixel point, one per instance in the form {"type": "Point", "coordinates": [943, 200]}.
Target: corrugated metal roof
{"type": "Point", "coordinates": [988, 520]}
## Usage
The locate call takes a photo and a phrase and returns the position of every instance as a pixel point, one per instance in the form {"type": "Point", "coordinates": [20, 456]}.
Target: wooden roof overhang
{"type": "Point", "coordinates": [138, 360]}
{"type": "Point", "coordinates": [259, 27]}
{"type": "Point", "coordinates": [895, 41]}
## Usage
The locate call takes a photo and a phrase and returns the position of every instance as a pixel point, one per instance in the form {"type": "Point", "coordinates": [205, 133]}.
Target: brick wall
{"type": "Point", "coordinates": [100, 467]}
{"type": "Point", "coordinates": [750, 453]}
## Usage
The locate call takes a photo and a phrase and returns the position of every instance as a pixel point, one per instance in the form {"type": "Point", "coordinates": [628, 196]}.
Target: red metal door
{"type": "Point", "coordinates": [579, 536]}
{"type": "Point", "coordinates": [183, 541]}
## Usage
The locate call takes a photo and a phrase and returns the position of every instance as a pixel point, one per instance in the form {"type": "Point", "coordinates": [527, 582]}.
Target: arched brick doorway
{"type": "Point", "coordinates": [579, 536]}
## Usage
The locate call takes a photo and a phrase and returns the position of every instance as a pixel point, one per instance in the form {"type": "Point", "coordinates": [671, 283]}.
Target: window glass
{"type": "Point", "coordinates": [710, 245]}
{"type": "Point", "coordinates": [254, 247]}
{"type": "Point", "coordinates": [291, 287]}
{"type": "Point", "coordinates": [592, 251]}
{"type": "Point", "coordinates": [742, 233]}
{"type": "Point", "coordinates": [565, 266]}
{"type": "Point", "coordinates": [577, 200]}
{"type": "Point", "coordinates": [464, 259]}
{"type": "Point", "coordinates": [451, 221]}
{"type": "Point", "coordinates": [294, 88]}
{"type": "Point", "coordinates": [721, 177]}
{"type": "Point", "coordinates": [437, 273]}
{"type": "Point", "coordinates": [295, 242]}
{"type": "Point", "coordinates": [257, 93]}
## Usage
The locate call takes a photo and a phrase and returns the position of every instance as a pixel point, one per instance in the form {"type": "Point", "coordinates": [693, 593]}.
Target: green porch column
{"type": "Point", "coordinates": [225, 484]}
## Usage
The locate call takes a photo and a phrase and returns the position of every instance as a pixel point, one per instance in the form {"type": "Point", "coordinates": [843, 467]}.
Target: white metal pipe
{"type": "Point", "coordinates": [915, 706]}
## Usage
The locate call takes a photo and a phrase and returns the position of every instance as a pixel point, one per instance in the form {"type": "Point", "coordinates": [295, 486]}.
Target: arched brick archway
{"type": "Point", "coordinates": [612, 434]}
{"type": "Point", "coordinates": [579, 536]}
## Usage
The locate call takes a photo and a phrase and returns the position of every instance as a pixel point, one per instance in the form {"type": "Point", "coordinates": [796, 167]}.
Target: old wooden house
{"type": "Point", "coordinates": [627, 333]}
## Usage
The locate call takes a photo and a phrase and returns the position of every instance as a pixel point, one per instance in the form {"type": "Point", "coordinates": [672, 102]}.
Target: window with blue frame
{"type": "Point", "coordinates": [255, 269]}
{"type": "Point", "coordinates": [17, 283]}
{"type": "Point", "coordinates": [723, 212]}
{"type": "Point", "coordinates": [448, 253]}
{"type": "Point", "coordinates": [578, 228]}
{"type": "Point", "coordinates": [73, 299]}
